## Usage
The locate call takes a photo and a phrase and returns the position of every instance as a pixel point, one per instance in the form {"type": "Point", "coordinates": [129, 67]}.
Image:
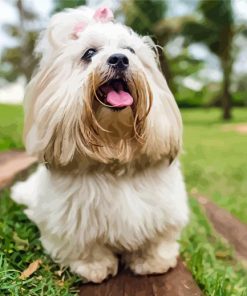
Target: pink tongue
{"type": "Point", "coordinates": [119, 99]}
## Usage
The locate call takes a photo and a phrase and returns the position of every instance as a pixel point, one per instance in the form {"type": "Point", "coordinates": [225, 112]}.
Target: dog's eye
{"type": "Point", "coordinates": [89, 54]}
{"type": "Point", "coordinates": [130, 49]}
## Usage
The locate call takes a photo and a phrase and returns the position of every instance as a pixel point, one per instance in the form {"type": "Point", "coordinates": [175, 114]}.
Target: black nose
{"type": "Point", "coordinates": [118, 61]}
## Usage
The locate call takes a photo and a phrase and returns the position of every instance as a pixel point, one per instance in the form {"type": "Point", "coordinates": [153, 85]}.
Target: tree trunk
{"type": "Point", "coordinates": [226, 59]}
{"type": "Point", "coordinates": [226, 98]}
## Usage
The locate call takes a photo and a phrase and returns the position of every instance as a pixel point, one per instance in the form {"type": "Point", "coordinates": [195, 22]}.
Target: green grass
{"type": "Point", "coordinates": [210, 259]}
{"type": "Point", "coordinates": [19, 246]}
{"type": "Point", "coordinates": [11, 124]}
{"type": "Point", "coordinates": [214, 164]}
{"type": "Point", "coordinates": [215, 160]}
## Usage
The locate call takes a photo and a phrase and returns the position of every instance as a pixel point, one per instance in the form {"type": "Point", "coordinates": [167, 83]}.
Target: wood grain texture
{"type": "Point", "coordinates": [227, 225]}
{"type": "Point", "coordinates": [176, 282]}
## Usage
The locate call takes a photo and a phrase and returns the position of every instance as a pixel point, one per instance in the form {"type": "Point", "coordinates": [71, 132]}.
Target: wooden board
{"type": "Point", "coordinates": [227, 225]}
{"type": "Point", "coordinates": [176, 282]}
{"type": "Point", "coordinates": [13, 163]}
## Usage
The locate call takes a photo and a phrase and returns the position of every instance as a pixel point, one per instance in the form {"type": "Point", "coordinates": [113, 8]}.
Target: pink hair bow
{"type": "Point", "coordinates": [102, 14]}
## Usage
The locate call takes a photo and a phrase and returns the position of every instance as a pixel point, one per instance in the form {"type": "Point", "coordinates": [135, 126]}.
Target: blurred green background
{"type": "Point", "coordinates": [202, 44]}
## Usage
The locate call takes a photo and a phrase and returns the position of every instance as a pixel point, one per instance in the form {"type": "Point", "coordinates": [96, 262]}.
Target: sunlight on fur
{"type": "Point", "coordinates": [106, 129]}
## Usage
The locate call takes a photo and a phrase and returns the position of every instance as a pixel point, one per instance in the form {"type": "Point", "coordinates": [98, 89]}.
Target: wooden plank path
{"type": "Point", "coordinates": [234, 231]}
{"type": "Point", "coordinates": [12, 164]}
{"type": "Point", "coordinates": [176, 282]}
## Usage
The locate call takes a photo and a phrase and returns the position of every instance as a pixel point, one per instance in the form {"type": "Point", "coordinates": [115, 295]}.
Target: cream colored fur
{"type": "Point", "coordinates": [109, 183]}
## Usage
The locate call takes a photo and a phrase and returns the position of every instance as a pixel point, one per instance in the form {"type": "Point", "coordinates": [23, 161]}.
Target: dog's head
{"type": "Point", "coordinates": [98, 94]}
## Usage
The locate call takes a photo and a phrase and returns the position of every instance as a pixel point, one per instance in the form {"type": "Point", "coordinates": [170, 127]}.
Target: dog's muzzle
{"type": "Point", "coordinates": [115, 92]}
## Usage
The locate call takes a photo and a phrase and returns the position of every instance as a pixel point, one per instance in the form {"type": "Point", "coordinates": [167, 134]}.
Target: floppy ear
{"type": "Point", "coordinates": [44, 108]}
{"type": "Point", "coordinates": [42, 102]}
{"type": "Point", "coordinates": [164, 123]}
{"type": "Point", "coordinates": [50, 132]}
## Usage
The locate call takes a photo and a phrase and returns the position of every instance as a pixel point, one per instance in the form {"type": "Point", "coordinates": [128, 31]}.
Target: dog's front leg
{"type": "Point", "coordinates": [96, 264]}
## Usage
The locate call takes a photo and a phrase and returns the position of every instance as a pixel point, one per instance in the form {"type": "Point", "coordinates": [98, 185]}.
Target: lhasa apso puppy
{"type": "Point", "coordinates": [106, 129]}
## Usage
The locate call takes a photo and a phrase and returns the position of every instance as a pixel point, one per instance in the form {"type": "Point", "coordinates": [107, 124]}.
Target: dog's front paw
{"type": "Point", "coordinates": [96, 271]}
{"type": "Point", "coordinates": [144, 266]}
{"type": "Point", "coordinates": [155, 261]}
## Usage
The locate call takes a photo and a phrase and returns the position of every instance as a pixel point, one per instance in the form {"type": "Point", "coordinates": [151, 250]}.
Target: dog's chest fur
{"type": "Point", "coordinates": [120, 211]}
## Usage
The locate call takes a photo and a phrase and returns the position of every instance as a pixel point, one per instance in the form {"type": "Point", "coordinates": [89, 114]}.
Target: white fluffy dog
{"type": "Point", "coordinates": [107, 131]}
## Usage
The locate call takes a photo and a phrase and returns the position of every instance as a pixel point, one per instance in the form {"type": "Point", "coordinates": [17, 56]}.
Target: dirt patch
{"type": "Point", "coordinates": [176, 282]}
{"type": "Point", "coordinates": [9, 155]}
{"type": "Point", "coordinates": [12, 164]}
{"type": "Point", "coordinates": [234, 231]}
{"type": "Point", "coordinates": [239, 128]}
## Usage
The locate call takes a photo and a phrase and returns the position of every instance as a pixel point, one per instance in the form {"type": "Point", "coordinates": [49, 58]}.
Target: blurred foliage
{"type": "Point", "coordinates": [149, 17]}
{"type": "Point", "coordinates": [61, 4]}
{"type": "Point", "coordinates": [240, 93]}
{"type": "Point", "coordinates": [215, 27]}
{"type": "Point", "coordinates": [19, 60]}
{"type": "Point", "coordinates": [212, 24]}
{"type": "Point", "coordinates": [183, 65]}
{"type": "Point", "coordinates": [142, 17]}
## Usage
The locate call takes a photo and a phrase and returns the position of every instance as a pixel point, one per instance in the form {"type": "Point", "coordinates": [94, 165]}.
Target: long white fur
{"type": "Point", "coordinates": [88, 216]}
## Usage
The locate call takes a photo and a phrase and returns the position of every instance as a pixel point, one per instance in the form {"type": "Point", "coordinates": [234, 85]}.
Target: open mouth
{"type": "Point", "coordinates": [115, 94]}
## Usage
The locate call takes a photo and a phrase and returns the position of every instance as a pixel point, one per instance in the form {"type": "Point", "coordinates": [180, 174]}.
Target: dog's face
{"type": "Point", "coordinates": [98, 94]}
